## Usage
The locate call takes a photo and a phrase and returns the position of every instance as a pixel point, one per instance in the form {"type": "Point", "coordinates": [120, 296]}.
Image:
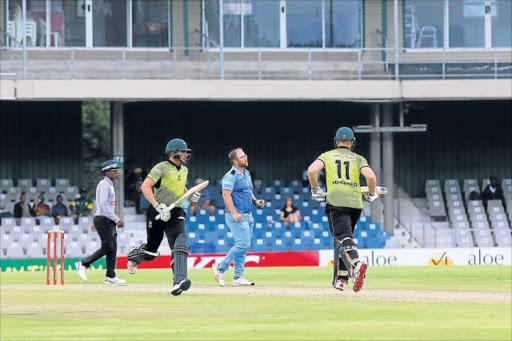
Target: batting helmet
{"type": "Point", "coordinates": [345, 134]}
{"type": "Point", "coordinates": [176, 145]}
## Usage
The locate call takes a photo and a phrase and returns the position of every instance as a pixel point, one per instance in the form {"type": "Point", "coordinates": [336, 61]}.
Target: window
{"type": "Point", "coordinates": [343, 23]}
{"type": "Point", "coordinates": [467, 23]}
{"type": "Point", "coordinates": [150, 23]}
{"type": "Point", "coordinates": [424, 23]}
{"type": "Point", "coordinates": [304, 23]}
{"type": "Point", "coordinates": [261, 24]}
{"type": "Point", "coordinates": [502, 24]}
{"type": "Point", "coordinates": [109, 23]}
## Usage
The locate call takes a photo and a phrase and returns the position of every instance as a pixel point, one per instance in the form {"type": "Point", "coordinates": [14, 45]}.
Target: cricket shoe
{"type": "Point", "coordinates": [132, 267]}
{"type": "Point", "coordinates": [359, 274]}
{"type": "Point", "coordinates": [115, 280]}
{"type": "Point", "coordinates": [184, 285]}
{"type": "Point", "coordinates": [340, 284]}
{"type": "Point", "coordinates": [219, 276]}
{"type": "Point", "coordinates": [241, 282]}
{"type": "Point", "coordinates": [82, 271]}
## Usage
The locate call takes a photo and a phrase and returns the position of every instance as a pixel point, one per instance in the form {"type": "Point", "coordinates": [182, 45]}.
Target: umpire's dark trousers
{"type": "Point", "coordinates": [108, 234]}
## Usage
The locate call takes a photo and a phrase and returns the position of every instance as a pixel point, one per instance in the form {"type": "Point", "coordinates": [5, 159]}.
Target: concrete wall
{"type": "Point", "coordinates": [254, 90]}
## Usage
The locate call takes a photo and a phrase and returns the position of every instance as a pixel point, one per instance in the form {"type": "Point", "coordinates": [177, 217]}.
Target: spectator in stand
{"type": "Point", "coordinates": [289, 213]}
{"type": "Point", "coordinates": [82, 206]}
{"type": "Point", "coordinates": [22, 209]}
{"type": "Point", "coordinates": [132, 185]}
{"type": "Point", "coordinates": [474, 196]}
{"type": "Point", "coordinates": [493, 191]}
{"type": "Point", "coordinates": [41, 209]}
{"type": "Point", "coordinates": [59, 210]}
{"type": "Point", "coordinates": [320, 178]}
{"type": "Point", "coordinates": [204, 201]}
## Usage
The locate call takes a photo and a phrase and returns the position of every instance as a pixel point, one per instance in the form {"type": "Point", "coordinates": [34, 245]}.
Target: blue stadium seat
{"type": "Point", "coordinates": [316, 245]}
{"type": "Point", "coordinates": [277, 183]}
{"type": "Point", "coordinates": [278, 229]}
{"type": "Point", "coordinates": [258, 245]}
{"type": "Point", "coordinates": [259, 215]}
{"type": "Point", "coordinates": [307, 237]}
{"type": "Point", "coordinates": [286, 192]}
{"type": "Point", "coordinates": [278, 245]}
{"type": "Point", "coordinates": [362, 240]}
{"type": "Point", "coordinates": [373, 230]}
{"type": "Point", "coordinates": [192, 238]}
{"type": "Point", "coordinates": [288, 237]}
{"type": "Point", "coordinates": [363, 222]}
{"type": "Point", "coordinates": [221, 246]}
{"type": "Point", "coordinates": [203, 247]}
{"type": "Point", "coordinates": [222, 230]}
{"type": "Point", "coordinates": [297, 245]}
{"type": "Point", "coordinates": [258, 230]}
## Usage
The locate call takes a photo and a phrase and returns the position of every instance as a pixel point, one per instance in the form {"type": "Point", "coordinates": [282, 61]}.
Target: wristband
{"type": "Point", "coordinates": [254, 201]}
{"type": "Point", "coordinates": [155, 204]}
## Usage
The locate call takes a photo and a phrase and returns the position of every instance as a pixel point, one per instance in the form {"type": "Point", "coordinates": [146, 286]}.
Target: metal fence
{"type": "Point", "coordinates": [251, 64]}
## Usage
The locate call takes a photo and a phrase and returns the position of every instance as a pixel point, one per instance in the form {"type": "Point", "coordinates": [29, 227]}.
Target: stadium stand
{"type": "Point", "coordinates": [468, 224]}
{"type": "Point", "coordinates": [471, 224]}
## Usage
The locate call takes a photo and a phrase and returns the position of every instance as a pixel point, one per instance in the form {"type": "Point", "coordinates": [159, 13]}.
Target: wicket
{"type": "Point", "coordinates": [55, 233]}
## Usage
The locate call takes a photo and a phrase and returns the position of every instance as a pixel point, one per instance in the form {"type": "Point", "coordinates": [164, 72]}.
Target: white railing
{"type": "Point", "coordinates": [215, 63]}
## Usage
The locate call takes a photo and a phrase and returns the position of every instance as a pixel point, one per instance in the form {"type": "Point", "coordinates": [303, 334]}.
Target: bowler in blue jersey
{"type": "Point", "coordinates": [239, 200]}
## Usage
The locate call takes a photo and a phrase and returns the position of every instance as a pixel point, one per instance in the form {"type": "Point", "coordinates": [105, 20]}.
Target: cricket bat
{"type": "Point", "coordinates": [378, 189]}
{"type": "Point", "coordinates": [187, 195]}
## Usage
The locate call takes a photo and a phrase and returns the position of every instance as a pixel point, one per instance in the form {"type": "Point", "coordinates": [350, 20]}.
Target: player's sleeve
{"type": "Point", "coordinates": [323, 158]}
{"type": "Point", "coordinates": [362, 162]}
{"type": "Point", "coordinates": [228, 182]}
{"type": "Point", "coordinates": [155, 174]}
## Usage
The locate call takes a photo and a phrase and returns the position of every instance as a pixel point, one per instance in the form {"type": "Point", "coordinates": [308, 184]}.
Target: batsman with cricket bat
{"type": "Point", "coordinates": [165, 214]}
{"type": "Point", "coordinates": [344, 204]}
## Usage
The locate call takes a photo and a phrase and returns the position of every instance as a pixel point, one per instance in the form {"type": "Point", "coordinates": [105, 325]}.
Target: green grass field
{"type": "Point", "coordinates": [299, 304]}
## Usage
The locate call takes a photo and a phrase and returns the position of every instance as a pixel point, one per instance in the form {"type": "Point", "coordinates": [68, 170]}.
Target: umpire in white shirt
{"type": "Point", "coordinates": [105, 222]}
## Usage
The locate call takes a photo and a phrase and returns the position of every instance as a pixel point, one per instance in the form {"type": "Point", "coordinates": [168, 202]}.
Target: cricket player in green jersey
{"type": "Point", "coordinates": [168, 178]}
{"type": "Point", "coordinates": [343, 168]}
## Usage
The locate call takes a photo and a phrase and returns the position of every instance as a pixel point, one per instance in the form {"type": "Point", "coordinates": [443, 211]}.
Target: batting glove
{"type": "Point", "coordinates": [318, 194]}
{"type": "Point", "coordinates": [164, 214]}
{"type": "Point", "coordinates": [371, 197]}
{"type": "Point", "coordinates": [195, 197]}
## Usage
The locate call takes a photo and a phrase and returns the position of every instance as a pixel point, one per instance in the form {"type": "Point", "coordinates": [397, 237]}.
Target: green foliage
{"type": "Point", "coordinates": [96, 140]}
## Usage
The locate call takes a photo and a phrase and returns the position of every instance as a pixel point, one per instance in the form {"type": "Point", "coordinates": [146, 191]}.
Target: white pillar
{"type": "Point", "coordinates": [375, 160]}
{"type": "Point", "coordinates": [118, 153]}
{"type": "Point", "coordinates": [387, 171]}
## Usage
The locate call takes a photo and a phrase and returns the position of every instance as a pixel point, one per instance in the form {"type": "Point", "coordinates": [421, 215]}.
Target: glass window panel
{"type": "Point", "coordinates": [501, 14]}
{"type": "Point", "coordinates": [15, 24]}
{"type": "Point", "coordinates": [109, 23]}
{"type": "Point", "coordinates": [36, 22]}
{"type": "Point", "coordinates": [304, 23]}
{"type": "Point", "coordinates": [72, 26]}
{"type": "Point", "coordinates": [211, 13]}
{"type": "Point", "coordinates": [232, 23]}
{"type": "Point", "coordinates": [424, 24]}
{"type": "Point", "coordinates": [261, 23]}
{"type": "Point", "coordinates": [150, 23]}
{"type": "Point", "coordinates": [467, 23]}
{"type": "Point", "coordinates": [342, 23]}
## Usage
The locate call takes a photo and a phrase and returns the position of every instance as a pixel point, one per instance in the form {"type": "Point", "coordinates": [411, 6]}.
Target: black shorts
{"type": "Point", "coordinates": [342, 220]}
{"type": "Point", "coordinates": [155, 229]}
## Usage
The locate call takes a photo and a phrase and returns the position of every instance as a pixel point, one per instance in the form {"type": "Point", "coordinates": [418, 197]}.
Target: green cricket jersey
{"type": "Point", "coordinates": [342, 171]}
{"type": "Point", "coordinates": [169, 182]}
